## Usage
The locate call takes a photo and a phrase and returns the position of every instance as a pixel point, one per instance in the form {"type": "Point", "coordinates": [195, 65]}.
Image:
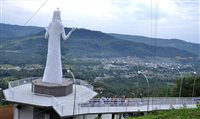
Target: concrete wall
{"type": "Point", "coordinates": [27, 112]}
{"type": "Point", "coordinates": [86, 116]}
{"type": "Point", "coordinates": [47, 116]}
{"type": "Point", "coordinates": [15, 112]}
{"type": "Point", "coordinates": [23, 112]}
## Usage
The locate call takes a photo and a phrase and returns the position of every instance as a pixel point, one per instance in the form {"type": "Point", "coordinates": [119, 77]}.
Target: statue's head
{"type": "Point", "coordinates": [56, 16]}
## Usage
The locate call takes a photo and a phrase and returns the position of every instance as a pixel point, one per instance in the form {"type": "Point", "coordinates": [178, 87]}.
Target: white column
{"type": "Point", "coordinates": [15, 111]}
{"type": "Point", "coordinates": [25, 112]}
{"type": "Point", "coordinates": [79, 117]}
{"type": "Point", "coordinates": [90, 116]}
{"type": "Point", "coordinates": [106, 116]}
{"type": "Point", "coordinates": [47, 116]}
{"type": "Point", "coordinates": [116, 116]}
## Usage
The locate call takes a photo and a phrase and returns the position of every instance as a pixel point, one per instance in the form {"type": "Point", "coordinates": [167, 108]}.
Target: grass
{"type": "Point", "coordinates": [172, 114]}
{"type": "Point", "coordinates": [6, 65]}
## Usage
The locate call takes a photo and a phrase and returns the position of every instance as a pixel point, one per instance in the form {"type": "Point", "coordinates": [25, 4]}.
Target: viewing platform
{"type": "Point", "coordinates": [20, 92]}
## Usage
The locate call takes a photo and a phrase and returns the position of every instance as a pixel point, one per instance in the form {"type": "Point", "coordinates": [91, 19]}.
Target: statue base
{"type": "Point", "coordinates": [43, 88]}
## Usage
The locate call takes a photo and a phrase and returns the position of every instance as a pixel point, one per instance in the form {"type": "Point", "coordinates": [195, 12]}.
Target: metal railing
{"type": "Point", "coordinates": [81, 82]}
{"type": "Point", "coordinates": [21, 81]}
{"type": "Point", "coordinates": [103, 105]}
{"type": "Point", "coordinates": [20, 96]}
{"type": "Point", "coordinates": [16, 83]}
{"type": "Point", "coordinates": [120, 102]}
{"type": "Point", "coordinates": [116, 105]}
{"type": "Point", "coordinates": [30, 79]}
{"type": "Point", "coordinates": [112, 105]}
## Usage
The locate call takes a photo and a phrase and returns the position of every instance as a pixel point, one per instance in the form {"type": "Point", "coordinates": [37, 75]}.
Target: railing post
{"type": "Point", "coordinates": [52, 100]}
{"type": "Point", "coordinates": [164, 101]}
{"type": "Point", "coordinates": [107, 107]}
{"type": "Point", "coordinates": [178, 101]}
{"type": "Point", "coordinates": [78, 109]}
{"type": "Point", "coordinates": [62, 109]}
{"type": "Point", "coordinates": [88, 109]}
{"type": "Point", "coordinates": [159, 102]}
{"type": "Point", "coordinates": [193, 102]}
{"type": "Point", "coordinates": [12, 94]}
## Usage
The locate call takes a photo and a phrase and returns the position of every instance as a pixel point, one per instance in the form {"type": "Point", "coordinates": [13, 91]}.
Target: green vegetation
{"type": "Point", "coordinates": [128, 86]}
{"type": "Point", "coordinates": [187, 86]}
{"type": "Point", "coordinates": [175, 43]}
{"type": "Point", "coordinates": [115, 84]}
{"type": "Point", "coordinates": [172, 114]}
{"type": "Point", "coordinates": [6, 65]}
{"type": "Point", "coordinates": [31, 47]}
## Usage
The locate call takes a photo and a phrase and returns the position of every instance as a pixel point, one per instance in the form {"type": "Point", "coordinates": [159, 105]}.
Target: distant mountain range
{"type": "Point", "coordinates": [175, 43]}
{"type": "Point", "coordinates": [26, 44]}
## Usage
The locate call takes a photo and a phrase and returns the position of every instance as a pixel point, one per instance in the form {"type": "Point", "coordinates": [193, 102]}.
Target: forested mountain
{"type": "Point", "coordinates": [175, 43]}
{"type": "Point", "coordinates": [12, 31]}
{"type": "Point", "coordinates": [29, 45]}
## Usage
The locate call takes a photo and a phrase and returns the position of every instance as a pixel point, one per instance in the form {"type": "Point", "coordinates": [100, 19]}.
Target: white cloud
{"type": "Point", "coordinates": [122, 16]}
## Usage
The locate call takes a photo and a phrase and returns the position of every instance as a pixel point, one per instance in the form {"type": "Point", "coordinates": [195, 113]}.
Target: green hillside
{"type": "Point", "coordinates": [12, 31]}
{"type": "Point", "coordinates": [175, 43]}
{"type": "Point", "coordinates": [31, 47]}
{"type": "Point", "coordinates": [172, 114]}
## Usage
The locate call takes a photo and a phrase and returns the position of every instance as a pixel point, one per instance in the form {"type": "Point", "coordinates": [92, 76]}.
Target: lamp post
{"type": "Point", "coordinates": [194, 73]}
{"type": "Point", "coordinates": [1, 96]}
{"type": "Point", "coordinates": [194, 84]}
{"type": "Point", "coordinates": [74, 80]}
{"type": "Point", "coordinates": [168, 82]}
{"type": "Point", "coordinates": [139, 72]}
{"type": "Point", "coordinates": [137, 89]}
{"type": "Point", "coordinates": [181, 83]}
{"type": "Point", "coordinates": [181, 80]}
{"type": "Point", "coordinates": [137, 80]}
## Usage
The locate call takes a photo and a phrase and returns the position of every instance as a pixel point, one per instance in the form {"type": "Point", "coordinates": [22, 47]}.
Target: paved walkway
{"type": "Point", "coordinates": [97, 106]}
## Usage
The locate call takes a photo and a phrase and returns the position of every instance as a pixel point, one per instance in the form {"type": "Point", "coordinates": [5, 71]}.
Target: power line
{"type": "Point", "coordinates": [31, 17]}
{"type": "Point", "coordinates": [156, 17]}
{"type": "Point", "coordinates": [35, 13]}
{"type": "Point", "coordinates": [154, 24]}
{"type": "Point", "coordinates": [154, 27]}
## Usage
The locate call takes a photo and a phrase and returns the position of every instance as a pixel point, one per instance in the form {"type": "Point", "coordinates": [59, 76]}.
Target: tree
{"type": "Point", "coordinates": [187, 86]}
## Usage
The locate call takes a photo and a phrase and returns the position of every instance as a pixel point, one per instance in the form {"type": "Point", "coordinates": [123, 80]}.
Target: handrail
{"type": "Point", "coordinates": [105, 103]}
{"type": "Point", "coordinates": [30, 79]}
{"type": "Point", "coordinates": [82, 83]}
{"type": "Point", "coordinates": [22, 81]}
{"type": "Point", "coordinates": [116, 102]}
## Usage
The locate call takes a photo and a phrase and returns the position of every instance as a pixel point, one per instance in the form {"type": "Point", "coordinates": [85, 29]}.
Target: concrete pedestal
{"type": "Point", "coordinates": [64, 89]}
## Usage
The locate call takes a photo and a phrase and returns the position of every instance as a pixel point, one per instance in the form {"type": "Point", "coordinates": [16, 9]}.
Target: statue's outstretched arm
{"type": "Point", "coordinates": [65, 37]}
{"type": "Point", "coordinates": [46, 34]}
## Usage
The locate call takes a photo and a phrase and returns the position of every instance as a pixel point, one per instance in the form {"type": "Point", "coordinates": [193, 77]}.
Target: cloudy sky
{"type": "Point", "coordinates": [154, 18]}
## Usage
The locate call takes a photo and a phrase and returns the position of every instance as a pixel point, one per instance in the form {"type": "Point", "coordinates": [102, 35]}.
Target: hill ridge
{"type": "Point", "coordinates": [82, 43]}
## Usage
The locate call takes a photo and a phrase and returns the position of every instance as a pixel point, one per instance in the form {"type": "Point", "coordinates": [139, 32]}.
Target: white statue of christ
{"type": "Point", "coordinates": [54, 32]}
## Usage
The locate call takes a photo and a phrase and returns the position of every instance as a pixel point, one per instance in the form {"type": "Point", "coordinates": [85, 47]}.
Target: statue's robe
{"type": "Point", "coordinates": [53, 69]}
